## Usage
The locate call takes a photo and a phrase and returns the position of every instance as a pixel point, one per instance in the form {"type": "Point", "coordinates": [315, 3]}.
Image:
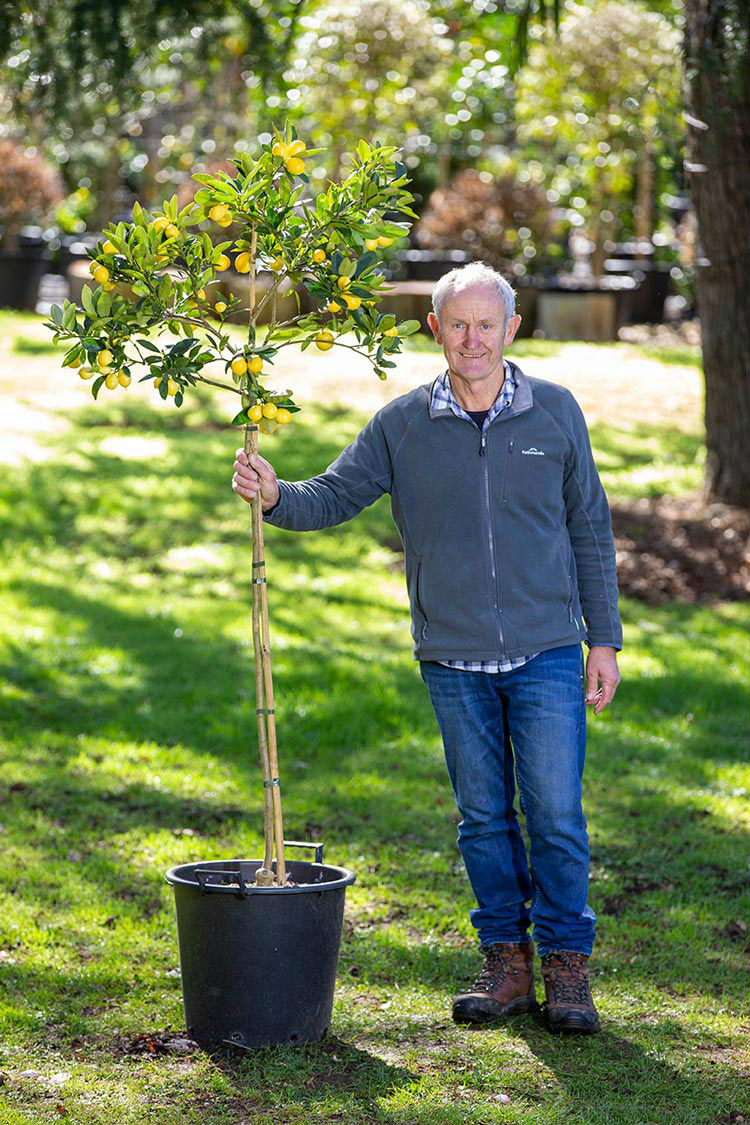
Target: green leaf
{"type": "Point", "coordinates": [409, 327]}
{"type": "Point", "coordinates": [76, 352]}
{"type": "Point", "coordinates": [97, 385]}
{"type": "Point", "coordinates": [87, 300]}
{"type": "Point", "coordinates": [57, 315]}
{"type": "Point", "coordinates": [240, 419]}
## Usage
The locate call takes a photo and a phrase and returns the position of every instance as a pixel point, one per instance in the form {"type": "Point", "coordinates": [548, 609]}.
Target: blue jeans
{"type": "Point", "coordinates": [526, 726]}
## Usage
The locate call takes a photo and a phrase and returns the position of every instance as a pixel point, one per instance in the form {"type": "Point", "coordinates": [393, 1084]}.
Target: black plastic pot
{"type": "Point", "coordinates": [20, 275]}
{"type": "Point", "coordinates": [258, 963]}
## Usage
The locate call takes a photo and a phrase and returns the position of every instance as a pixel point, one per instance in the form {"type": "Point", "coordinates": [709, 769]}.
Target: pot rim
{"type": "Point", "coordinates": [177, 877]}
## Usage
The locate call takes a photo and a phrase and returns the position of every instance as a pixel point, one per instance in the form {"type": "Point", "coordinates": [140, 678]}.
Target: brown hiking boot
{"type": "Point", "coordinates": [570, 1006]}
{"type": "Point", "coordinates": [504, 987]}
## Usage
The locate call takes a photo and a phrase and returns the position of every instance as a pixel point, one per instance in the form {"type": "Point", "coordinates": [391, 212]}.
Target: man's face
{"type": "Point", "coordinates": [473, 333]}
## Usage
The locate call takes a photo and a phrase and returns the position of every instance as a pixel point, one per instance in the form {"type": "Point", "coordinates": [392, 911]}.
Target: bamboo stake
{"type": "Point", "coordinates": [273, 758]}
{"type": "Point", "coordinates": [272, 817]}
{"type": "Point", "coordinates": [264, 874]}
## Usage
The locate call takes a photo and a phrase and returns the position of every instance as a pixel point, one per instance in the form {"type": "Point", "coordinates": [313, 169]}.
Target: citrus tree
{"type": "Point", "coordinates": [153, 315]}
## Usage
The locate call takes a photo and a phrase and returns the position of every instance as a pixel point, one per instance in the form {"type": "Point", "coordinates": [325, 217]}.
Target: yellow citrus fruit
{"type": "Point", "coordinates": [384, 241]}
{"type": "Point", "coordinates": [111, 380]}
{"type": "Point", "coordinates": [74, 362]}
{"type": "Point", "coordinates": [268, 425]}
{"type": "Point", "coordinates": [295, 165]}
{"type": "Point", "coordinates": [201, 294]}
{"type": "Point", "coordinates": [222, 262]}
{"type": "Point", "coordinates": [319, 256]}
{"type": "Point", "coordinates": [99, 273]}
{"type": "Point", "coordinates": [296, 148]}
{"type": "Point", "coordinates": [171, 231]}
{"type": "Point", "coordinates": [227, 222]}
{"type": "Point", "coordinates": [276, 265]}
{"type": "Point", "coordinates": [255, 365]}
{"type": "Point", "coordinates": [270, 410]}
{"type": "Point", "coordinates": [219, 213]}
{"type": "Point", "coordinates": [85, 372]}
{"type": "Point", "coordinates": [157, 381]}
{"type": "Point", "coordinates": [344, 282]}
{"type": "Point", "coordinates": [239, 365]}
{"type": "Point", "coordinates": [172, 387]}
{"type": "Point", "coordinates": [104, 357]}
{"type": "Point", "coordinates": [324, 340]}
{"type": "Point", "coordinates": [283, 416]}
{"type": "Point", "coordinates": [334, 307]}
{"type": "Point", "coordinates": [160, 222]}
{"type": "Point", "coordinates": [108, 286]}
{"type": "Point", "coordinates": [109, 248]}
{"type": "Point", "coordinates": [123, 378]}
{"type": "Point", "coordinates": [255, 413]}
{"type": "Point", "coordinates": [242, 263]}
{"type": "Point", "coordinates": [220, 307]}
{"type": "Point", "coordinates": [371, 243]}
{"type": "Point", "coordinates": [352, 302]}
{"type": "Point", "coordinates": [280, 149]}
{"type": "Point", "coordinates": [391, 331]}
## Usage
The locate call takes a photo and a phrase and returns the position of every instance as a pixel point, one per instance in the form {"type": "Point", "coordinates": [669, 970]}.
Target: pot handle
{"type": "Point", "coordinates": [317, 846]}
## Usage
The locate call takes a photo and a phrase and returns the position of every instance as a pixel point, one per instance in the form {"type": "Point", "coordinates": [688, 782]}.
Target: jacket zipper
{"type": "Point", "coordinates": [491, 541]}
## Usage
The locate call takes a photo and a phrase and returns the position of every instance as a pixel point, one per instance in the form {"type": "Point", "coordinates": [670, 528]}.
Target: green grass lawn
{"type": "Point", "coordinates": [128, 745]}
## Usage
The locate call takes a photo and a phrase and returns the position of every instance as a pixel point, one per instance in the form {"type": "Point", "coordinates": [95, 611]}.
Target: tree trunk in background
{"type": "Point", "coordinates": [717, 42]}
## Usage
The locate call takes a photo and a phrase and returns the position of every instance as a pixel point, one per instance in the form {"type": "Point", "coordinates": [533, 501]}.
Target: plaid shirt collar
{"type": "Point", "coordinates": [442, 396]}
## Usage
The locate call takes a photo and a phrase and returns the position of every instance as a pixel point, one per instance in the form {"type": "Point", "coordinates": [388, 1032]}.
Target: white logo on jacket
{"type": "Point", "coordinates": [533, 451]}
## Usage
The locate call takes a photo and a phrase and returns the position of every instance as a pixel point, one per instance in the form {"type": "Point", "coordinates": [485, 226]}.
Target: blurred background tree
{"type": "Point", "coordinates": [599, 107]}
{"type": "Point", "coordinates": [500, 220]}
{"type": "Point", "coordinates": [717, 55]}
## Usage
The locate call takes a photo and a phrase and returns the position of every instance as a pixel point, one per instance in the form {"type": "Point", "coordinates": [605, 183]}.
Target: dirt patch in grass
{"type": "Point", "coordinates": [679, 549]}
{"type": "Point", "coordinates": [151, 1044]}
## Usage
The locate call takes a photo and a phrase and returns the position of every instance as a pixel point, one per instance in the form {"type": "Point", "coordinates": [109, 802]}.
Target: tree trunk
{"type": "Point", "coordinates": [717, 34]}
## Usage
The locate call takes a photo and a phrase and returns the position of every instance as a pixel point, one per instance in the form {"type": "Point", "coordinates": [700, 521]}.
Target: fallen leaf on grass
{"type": "Point", "coordinates": [150, 1044]}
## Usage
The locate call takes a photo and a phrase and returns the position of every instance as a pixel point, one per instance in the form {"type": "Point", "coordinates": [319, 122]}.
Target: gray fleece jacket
{"type": "Point", "coordinates": [507, 540]}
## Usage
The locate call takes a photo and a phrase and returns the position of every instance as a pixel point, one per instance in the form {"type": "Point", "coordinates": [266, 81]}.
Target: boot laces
{"type": "Point", "coordinates": [570, 986]}
{"type": "Point", "coordinates": [497, 967]}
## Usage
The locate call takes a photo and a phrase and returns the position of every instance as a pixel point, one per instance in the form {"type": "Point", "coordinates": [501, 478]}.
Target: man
{"type": "Point", "coordinates": [510, 565]}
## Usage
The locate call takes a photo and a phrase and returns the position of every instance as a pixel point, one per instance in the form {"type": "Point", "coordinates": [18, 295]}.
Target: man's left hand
{"type": "Point", "coordinates": [602, 677]}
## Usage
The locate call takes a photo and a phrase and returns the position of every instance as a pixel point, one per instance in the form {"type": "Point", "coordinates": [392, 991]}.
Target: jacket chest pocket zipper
{"type": "Point", "coordinates": [506, 473]}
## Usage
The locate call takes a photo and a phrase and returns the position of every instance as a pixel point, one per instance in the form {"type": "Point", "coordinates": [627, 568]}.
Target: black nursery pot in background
{"type": "Point", "coordinates": [258, 964]}
{"type": "Point", "coordinates": [21, 271]}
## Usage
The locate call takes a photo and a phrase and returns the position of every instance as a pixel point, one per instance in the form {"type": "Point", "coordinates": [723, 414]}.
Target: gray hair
{"type": "Point", "coordinates": [476, 273]}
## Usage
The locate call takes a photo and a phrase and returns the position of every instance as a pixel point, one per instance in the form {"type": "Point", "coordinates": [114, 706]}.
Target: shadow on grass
{"type": "Point", "coordinates": [614, 1079]}
{"type": "Point", "coordinates": [333, 1071]}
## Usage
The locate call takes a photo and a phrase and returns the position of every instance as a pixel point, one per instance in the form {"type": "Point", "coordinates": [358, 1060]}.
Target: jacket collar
{"type": "Point", "coordinates": [523, 399]}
